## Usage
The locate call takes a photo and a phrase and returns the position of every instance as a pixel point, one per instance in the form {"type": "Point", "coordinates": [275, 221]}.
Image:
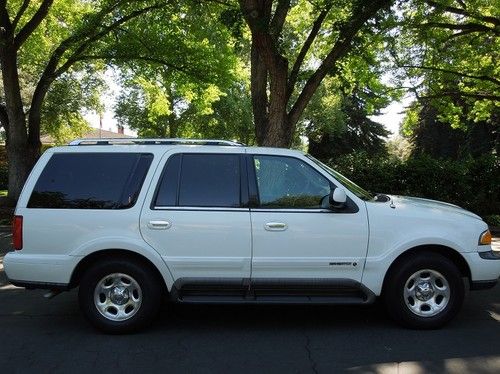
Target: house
{"type": "Point", "coordinates": [92, 134]}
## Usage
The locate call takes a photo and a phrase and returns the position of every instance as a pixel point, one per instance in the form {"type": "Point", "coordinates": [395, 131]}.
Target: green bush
{"type": "Point", "coordinates": [473, 183]}
{"type": "Point", "coordinates": [493, 220]}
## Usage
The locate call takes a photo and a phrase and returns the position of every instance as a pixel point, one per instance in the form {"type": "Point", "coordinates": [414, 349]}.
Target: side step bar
{"type": "Point", "coordinates": [271, 291]}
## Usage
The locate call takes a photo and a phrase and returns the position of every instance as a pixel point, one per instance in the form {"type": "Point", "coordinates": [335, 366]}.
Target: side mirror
{"type": "Point", "coordinates": [338, 198]}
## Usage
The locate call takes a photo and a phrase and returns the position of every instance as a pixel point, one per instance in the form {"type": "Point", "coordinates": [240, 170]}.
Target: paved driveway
{"type": "Point", "coordinates": [43, 336]}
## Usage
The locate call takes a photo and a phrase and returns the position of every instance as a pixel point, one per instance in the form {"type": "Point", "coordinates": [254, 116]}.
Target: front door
{"type": "Point", "coordinates": [295, 234]}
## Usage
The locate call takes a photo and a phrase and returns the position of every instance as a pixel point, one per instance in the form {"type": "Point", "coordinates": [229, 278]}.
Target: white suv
{"type": "Point", "coordinates": [211, 221]}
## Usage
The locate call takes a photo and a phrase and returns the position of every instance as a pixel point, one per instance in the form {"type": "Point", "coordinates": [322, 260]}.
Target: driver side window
{"type": "Point", "coordinates": [287, 183]}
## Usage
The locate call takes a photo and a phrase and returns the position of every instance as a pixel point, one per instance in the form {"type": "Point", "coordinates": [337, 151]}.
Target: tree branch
{"type": "Point", "coordinates": [51, 72]}
{"type": "Point", "coordinates": [5, 24]}
{"type": "Point", "coordinates": [478, 77]}
{"type": "Point", "coordinates": [305, 48]}
{"type": "Point", "coordinates": [227, 3]}
{"type": "Point", "coordinates": [463, 12]}
{"type": "Point", "coordinates": [156, 60]}
{"type": "Point", "coordinates": [480, 96]}
{"type": "Point", "coordinates": [33, 23]}
{"type": "Point", "coordinates": [20, 13]}
{"type": "Point", "coordinates": [470, 26]}
{"type": "Point", "coordinates": [106, 30]}
{"type": "Point", "coordinates": [339, 50]}
{"type": "Point", "coordinates": [278, 20]}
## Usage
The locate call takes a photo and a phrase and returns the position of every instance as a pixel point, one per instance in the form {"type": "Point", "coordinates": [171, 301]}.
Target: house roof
{"type": "Point", "coordinates": [92, 134]}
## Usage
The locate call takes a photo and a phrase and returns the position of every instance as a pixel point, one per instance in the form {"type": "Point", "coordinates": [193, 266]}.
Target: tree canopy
{"type": "Point", "coordinates": [268, 72]}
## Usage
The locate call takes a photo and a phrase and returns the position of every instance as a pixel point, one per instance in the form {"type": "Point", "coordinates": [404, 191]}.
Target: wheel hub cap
{"type": "Point", "coordinates": [119, 295]}
{"type": "Point", "coordinates": [424, 291]}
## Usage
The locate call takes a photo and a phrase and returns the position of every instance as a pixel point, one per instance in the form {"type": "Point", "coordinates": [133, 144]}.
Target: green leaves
{"type": "Point", "coordinates": [450, 50]}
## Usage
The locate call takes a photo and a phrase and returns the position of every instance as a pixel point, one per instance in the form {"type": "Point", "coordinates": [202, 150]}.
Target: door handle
{"type": "Point", "coordinates": [275, 226]}
{"type": "Point", "coordinates": [159, 225]}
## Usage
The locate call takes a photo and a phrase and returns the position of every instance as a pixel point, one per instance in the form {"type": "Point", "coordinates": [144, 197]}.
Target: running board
{"type": "Point", "coordinates": [271, 291]}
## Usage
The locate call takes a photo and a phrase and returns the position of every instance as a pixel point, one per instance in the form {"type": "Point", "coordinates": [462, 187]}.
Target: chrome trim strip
{"type": "Point", "coordinates": [207, 209]}
{"type": "Point", "coordinates": [291, 210]}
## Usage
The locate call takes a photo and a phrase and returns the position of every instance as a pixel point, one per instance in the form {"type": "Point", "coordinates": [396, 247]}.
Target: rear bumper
{"type": "Point", "coordinates": [39, 271]}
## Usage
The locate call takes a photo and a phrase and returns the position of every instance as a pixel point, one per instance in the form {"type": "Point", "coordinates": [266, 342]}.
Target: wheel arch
{"type": "Point", "coordinates": [92, 258]}
{"type": "Point", "coordinates": [445, 251]}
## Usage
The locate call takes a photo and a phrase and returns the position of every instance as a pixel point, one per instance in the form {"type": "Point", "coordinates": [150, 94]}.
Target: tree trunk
{"type": "Point", "coordinates": [19, 153]}
{"type": "Point", "coordinates": [272, 125]}
{"type": "Point", "coordinates": [258, 89]}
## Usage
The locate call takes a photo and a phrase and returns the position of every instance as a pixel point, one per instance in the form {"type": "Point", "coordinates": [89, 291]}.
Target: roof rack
{"type": "Point", "coordinates": [164, 141]}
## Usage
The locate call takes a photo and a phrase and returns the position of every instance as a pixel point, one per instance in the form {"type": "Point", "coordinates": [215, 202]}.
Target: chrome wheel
{"type": "Point", "coordinates": [118, 297]}
{"type": "Point", "coordinates": [426, 293]}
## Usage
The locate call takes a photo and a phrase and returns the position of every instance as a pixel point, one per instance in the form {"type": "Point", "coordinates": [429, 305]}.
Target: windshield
{"type": "Point", "coordinates": [353, 187]}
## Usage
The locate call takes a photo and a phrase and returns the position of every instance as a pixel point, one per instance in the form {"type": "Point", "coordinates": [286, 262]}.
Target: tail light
{"type": "Point", "coordinates": [17, 232]}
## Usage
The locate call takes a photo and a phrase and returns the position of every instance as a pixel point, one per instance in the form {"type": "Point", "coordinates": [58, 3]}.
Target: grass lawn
{"type": "Point", "coordinates": [3, 193]}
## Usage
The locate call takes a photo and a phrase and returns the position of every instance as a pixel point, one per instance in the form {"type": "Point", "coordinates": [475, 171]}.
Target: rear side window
{"type": "Point", "coordinates": [167, 190]}
{"type": "Point", "coordinates": [91, 181]}
{"type": "Point", "coordinates": [201, 180]}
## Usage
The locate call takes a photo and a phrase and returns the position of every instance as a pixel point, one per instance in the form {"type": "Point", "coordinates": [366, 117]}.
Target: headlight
{"type": "Point", "coordinates": [485, 238]}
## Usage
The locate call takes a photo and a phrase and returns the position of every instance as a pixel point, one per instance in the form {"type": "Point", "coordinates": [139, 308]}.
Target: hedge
{"type": "Point", "coordinates": [473, 184]}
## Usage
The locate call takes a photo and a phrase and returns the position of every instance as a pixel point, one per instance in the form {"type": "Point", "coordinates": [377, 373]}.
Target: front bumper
{"type": "Point", "coordinates": [484, 268]}
{"type": "Point", "coordinates": [483, 285]}
{"type": "Point", "coordinates": [39, 271]}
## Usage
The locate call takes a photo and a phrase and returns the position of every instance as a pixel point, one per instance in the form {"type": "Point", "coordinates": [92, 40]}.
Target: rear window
{"type": "Point", "coordinates": [91, 181]}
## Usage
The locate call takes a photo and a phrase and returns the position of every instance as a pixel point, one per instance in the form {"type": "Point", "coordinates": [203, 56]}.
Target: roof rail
{"type": "Point", "coordinates": [159, 141]}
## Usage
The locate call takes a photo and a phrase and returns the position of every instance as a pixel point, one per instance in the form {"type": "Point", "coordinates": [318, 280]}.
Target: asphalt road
{"type": "Point", "coordinates": [51, 336]}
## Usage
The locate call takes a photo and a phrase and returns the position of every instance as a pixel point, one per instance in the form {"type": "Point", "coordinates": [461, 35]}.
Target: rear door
{"type": "Point", "coordinates": [196, 216]}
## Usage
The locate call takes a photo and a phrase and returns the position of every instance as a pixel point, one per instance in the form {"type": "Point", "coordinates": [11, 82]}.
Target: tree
{"type": "Point", "coordinates": [75, 29]}
{"type": "Point", "coordinates": [356, 132]}
{"type": "Point", "coordinates": [447, 52]}
{"type": "Point", "coordinates": [167, 106]}
{"type": "Point", "coordinates": [335, 24]}
{"type": "Point", "coordinates": [186, 71]}
{"type": "Point", "coordinates": [432, 135]}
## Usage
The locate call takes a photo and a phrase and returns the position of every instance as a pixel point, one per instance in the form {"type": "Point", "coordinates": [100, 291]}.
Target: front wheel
{"type": "Point", "coordinates": [119, 296]}
{"type": "Point", "coordinates": [424, 291]}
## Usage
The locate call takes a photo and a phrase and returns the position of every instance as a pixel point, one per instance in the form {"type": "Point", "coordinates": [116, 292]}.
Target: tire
{"type": "Point", "coordinates": [120, 296]}
{"type": "Point", "coordinates": [424, 291]}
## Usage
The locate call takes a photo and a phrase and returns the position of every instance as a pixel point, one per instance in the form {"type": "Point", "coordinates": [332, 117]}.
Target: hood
{"type": "Point", "coordinates": [432, 204]}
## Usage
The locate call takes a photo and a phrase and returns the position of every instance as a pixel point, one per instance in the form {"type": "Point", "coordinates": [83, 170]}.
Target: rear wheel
{"type": "Point", "coordinates": [424, 291]}
{"type": "Point", "coordinates": [119, 296]}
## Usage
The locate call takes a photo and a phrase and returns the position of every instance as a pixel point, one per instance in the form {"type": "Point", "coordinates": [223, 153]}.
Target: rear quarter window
{"type": "Point", "coordinates": [91, 181]}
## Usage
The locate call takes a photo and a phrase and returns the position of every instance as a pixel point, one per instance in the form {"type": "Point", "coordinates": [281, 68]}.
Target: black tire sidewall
{"type": "Point", "coordinates": [150, 288]}
{"type": "Point", "coordinates": [394, 291]}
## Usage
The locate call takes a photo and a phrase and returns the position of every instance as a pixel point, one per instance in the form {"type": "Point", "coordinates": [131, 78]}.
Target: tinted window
{"type": "Point", "coordinates": [167, 190]}
{"type": "Point", "coordinates": [90, 181]}
{"type": "Point", "coordinates": [210, 180]}
{"type": "Point", "coordinates": [286, 182]}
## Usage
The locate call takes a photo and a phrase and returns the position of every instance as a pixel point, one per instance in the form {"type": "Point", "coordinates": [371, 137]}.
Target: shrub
{"type": "Point", "coordinates": [4, 176]}
{"type": "Point", "coordinates": [472, 183]}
